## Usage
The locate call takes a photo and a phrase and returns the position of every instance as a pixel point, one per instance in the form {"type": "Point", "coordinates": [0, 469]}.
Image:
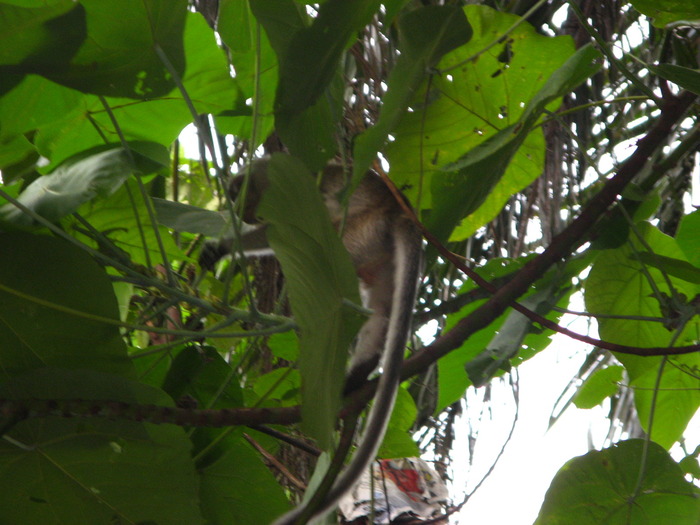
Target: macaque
{"type": "Point", "coordinates": [385, 248]}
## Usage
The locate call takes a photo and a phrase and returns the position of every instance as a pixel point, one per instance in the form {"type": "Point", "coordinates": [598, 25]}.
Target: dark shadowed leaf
{"type": "Point", "coordinates": [321, 280]}
{"type": "Point", "coordinates": [676, 267]}
{"type": "Point", "coordinates": [668, 11]}
{"type": "Point", "coordinates": [187, 218]}
{"type": "Point", "coordinates": [57, 470]}
{"type": "Point", "coordinates": [56, 305]}
{"type": "Point", "coordinates": [685, 77]}
{"type": "Point", "coordinates": [105, 48]}
{"type": "Point", "coordinates": [601, 487]}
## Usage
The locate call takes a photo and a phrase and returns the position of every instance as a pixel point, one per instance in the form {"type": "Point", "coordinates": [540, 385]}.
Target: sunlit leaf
{"type": "Point", "coordinates": [472, 178]}
{"type": "Point", "coordinates": [85, 122]}
{"type": "Point", "coordinates": [618, 285]}
{"type": "Point", "coordinates": [601, 385]}
{"type": "Point", "coordinates": [426, 35]}
{"type": "Point", "coordinates": [398, 442]}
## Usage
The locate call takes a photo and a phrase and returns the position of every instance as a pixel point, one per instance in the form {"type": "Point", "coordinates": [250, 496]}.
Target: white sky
{"type": "Point", "coordinates": [514, 492]}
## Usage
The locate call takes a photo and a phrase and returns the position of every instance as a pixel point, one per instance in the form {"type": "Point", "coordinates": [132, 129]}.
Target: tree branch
{"type": "Point", "coordinates": [16, 410]}
{"type": "Point", "coordinates": [562, 245]}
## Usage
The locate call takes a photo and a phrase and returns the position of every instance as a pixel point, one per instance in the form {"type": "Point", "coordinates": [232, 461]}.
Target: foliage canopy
{"type": "Point", "coordinates": [549, 145]}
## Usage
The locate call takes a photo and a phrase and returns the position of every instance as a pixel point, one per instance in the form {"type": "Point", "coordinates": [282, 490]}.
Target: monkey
{"type": "Point", "coordinates": [385, 247]}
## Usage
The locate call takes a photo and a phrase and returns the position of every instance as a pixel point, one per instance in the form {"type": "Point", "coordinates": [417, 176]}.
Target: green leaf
{"type": "Point", "coordinates": [310, 60]}
{"type": "Point", "coordinates": [76, 182]}
{"type": "Point", "coordinates": [35, 103]}
{"type": "Point", "coordinates": [186, 218]}
{"type": "Point", "coordinates": [105, 48]}
{"type": "Point", "coordinates": [321, 279]}
{"type": "Point", "coordinates": [57, 470]}
{"type": "Point", "coordinates": [85, 123]}
{"type": "Point", "coordinates": [451, 368]}
{"type": "Point", "coordinates": [685, 77]}
{"type": "Point", "coordinates": [123, 219]}
{"type": "Point", "coordinates": [687, 237]}
{"type": "Point", "coordinates": [601, 385]}
{"type": "Point", "coordinates": [279, 387]}
{"type": "Point", "coordinates": [426, 34]}
{"type": "Point", "coordinates": [56, 309]}
{"type": "Point", "coordinates": [398, 442]}
{"type": "Point", "coordinates": [203, 375]}
{"type": "Point", "coordinates": [470, 361]}
{"type": "Point", "coordinates": [677, 400]}
{"type": "Point", "coordinates": [239, 488]}
{"type": "Point", "coordinates": [284, 345]}
{"type": "Point", "coordinates": [17, 155]}
{"type": "Point", "coordinates": [617, 285]}
{"type": "Point", "coordinates": [666, 12]}
{"type": "Point", "coordinates": [255, 63]}
{"type": "Point", "coordinates": [508, 341]}
{"type": "Point", "coordinates": [676, 267]}
{"type": "Point", "coordinates": [524, 167]}
{"type": "Point", "coordinates": [470, 101]}
{"type": "Point", "coordinates": [601, 487]}
{"type": "Point", "coordinates": [36, 39]}
{"type": "Point", "coordinates": [282, 19]}
{"type": "Point", "coordinates": [309, 134]}
{"type": "Point", "coordinates": [153, 367]}
{"type": "Point", "coordinates": [690, 464]}
{"type": "Point", "coordinates": [469, 180]}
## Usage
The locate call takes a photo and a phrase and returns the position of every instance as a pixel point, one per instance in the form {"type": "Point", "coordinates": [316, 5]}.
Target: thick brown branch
{"type": "Point", "coordinates": [562, 245]}
{"type": "Point", "coordinates": [16, 410]}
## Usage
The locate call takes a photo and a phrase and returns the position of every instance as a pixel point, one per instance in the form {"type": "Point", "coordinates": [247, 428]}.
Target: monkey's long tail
{"type": "Point", "coordinates": [407, 261]}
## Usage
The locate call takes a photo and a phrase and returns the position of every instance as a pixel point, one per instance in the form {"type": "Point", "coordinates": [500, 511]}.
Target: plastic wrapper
{"type": "Point", "coordinates": [402, 487]}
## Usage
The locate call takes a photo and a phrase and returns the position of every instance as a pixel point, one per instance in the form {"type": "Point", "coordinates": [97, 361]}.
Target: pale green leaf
{"type": "Point", "coordinates": [398, 442]}
{"type": "Point", "coordinates": [187, 218]}
{"type": "Point", "coordinates": [76, 182]}
{"type": "Point", "coordinates": [601, 385]}
{"type": "Point", "coordinates": [426, 34]}
{"type": "Point", "coordinates": [618, 285]}
{"type": "Point", "coordinates": [123, 219]}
